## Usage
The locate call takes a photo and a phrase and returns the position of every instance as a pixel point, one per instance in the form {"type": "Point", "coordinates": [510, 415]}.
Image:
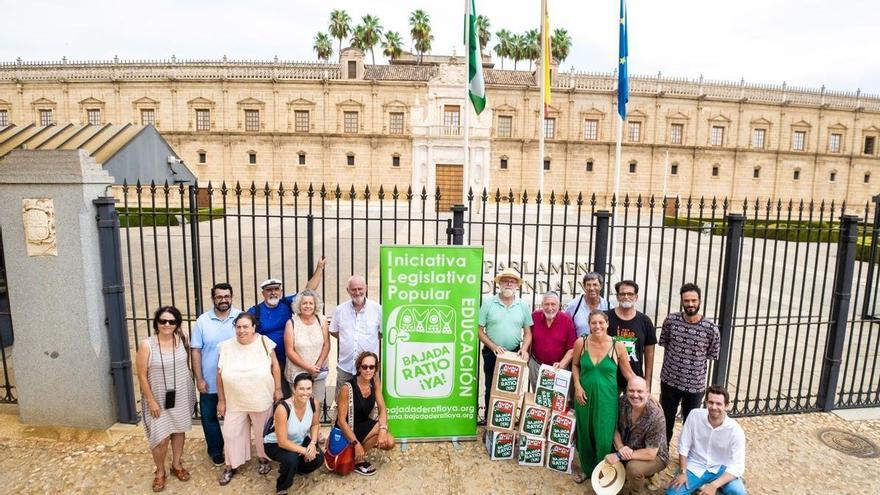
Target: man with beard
{"type": "Point", "coordinates": [553, 337]}
{"type": "Point", "coordinates": [272, 314]}
{"type": "Point", "coordinates": [689, 340]}
{"type": "Point", "coordinates": [640, 439]}
{"type": "Point", "coordinates": [357, 325]}
{"type": "Point", "coordinates": [636, 330]}
{"type": "Point", "coordinates": [211, 328]}
{"type": "Point", "coordinates": [711, 450]}
{"type": "Point", "coordinates": [505, 324]}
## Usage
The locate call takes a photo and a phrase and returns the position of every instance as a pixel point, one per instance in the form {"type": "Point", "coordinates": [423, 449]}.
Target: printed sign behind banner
{"type": "Point", "coordinates": [430, 305]}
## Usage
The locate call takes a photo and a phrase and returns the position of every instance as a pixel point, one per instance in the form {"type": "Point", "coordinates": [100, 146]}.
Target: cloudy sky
{"type": "Point", "coordinates": [803, 42]}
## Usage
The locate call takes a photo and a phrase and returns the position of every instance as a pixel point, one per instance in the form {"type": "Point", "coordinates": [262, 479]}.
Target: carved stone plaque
{"type": "Point", "coordinates": [38, 215]}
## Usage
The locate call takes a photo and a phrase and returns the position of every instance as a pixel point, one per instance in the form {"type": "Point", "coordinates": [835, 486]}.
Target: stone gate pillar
{"type": "Point", "coordinates": [61, 358]}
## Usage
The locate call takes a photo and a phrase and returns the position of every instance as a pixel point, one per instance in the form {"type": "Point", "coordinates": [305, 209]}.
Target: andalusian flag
{"type": "Point", "coordinates": [476, 86]}
{"type": "Point", "coordinates": [546, 55]}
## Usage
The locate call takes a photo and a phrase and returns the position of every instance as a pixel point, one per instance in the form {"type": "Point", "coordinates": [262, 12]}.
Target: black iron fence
{"type": "Point", "coordinates": [775, 298]}
{"type": "Point", "coordinates": [7, 381]}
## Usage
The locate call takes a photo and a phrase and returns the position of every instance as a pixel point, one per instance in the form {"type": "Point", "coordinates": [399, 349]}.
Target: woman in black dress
{"type": "Point", "coordinates": [362, 415]}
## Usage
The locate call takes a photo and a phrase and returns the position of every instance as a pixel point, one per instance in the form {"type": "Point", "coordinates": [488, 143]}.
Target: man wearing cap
{"type": "Point", "coordinates": [272, 314]}
{"type": "Point", "coordinates": [357, 325]}
{"type": "Point", "coordinates": [211, 328]}
{"type": "Point", "coordinates": [711, 450]}
{"type": "Point", "coordinates": [505, 324]}
{"type": "Point", "coordinates": [640, 438]}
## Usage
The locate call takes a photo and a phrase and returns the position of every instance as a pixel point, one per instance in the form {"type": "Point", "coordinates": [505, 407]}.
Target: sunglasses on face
{"type": "Point", "coordinates": [167, 322]}
{"type": "Point", "coordinates": [368, 367]}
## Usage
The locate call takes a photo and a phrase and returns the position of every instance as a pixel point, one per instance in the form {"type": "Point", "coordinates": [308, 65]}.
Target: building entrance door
{"type": "Point", "coordinates": [449, 180]}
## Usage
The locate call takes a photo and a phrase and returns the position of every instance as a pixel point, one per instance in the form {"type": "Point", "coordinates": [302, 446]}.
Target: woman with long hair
{"type": "Point", "coordinates": [167, 392]}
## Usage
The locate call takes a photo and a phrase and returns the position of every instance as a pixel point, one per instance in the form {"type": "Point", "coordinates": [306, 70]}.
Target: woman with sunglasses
{"type": "Point", "coordinates": [167, 392]}
{"type": "Point", "coordinates": [355, 412]}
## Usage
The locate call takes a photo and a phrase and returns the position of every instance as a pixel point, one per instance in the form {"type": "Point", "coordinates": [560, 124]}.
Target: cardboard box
{"type": "Point", "coordinates": [501, 445]}
{"type": "Point", "coordinates": [559, 458]}
{"type": "Point", "coordinates": [510, 375]}
{"type": "Point", "coordinates": [560, 430]}
{"type": "Point", "coordinates": [551, 399]}
{"type": "Point", "coordinates": [553, 387]}
{"type": "Point", "coordinates": [534, 419]}
{"type": "Point", "coordinates": [501, 415]}
{"type": "Point", "coordinates": [531, 451]}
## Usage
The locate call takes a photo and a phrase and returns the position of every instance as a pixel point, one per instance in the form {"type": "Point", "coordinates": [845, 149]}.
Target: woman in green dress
{"type": "Point", "coordinates": [594, 369]}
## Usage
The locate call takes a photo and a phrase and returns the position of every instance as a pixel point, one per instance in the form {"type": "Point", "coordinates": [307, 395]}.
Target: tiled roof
{"type": "Point", "coordinates": [510, 77]}
{"type": "Point", "coordinates": [399, 72]}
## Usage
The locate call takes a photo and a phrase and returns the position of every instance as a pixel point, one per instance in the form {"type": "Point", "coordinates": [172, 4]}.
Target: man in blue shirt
{"type": "Point", "coordinates": [211, 328]}
{"type": "Point", "coordinates": [272, 314]}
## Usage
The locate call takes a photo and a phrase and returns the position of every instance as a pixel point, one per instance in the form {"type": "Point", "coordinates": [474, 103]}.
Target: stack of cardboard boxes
{"type": "Point", "coordinates": [545, 434]}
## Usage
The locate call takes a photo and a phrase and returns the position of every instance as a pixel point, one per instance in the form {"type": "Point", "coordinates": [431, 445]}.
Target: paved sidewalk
{"type": "Point", "coordinates": [784, 457]}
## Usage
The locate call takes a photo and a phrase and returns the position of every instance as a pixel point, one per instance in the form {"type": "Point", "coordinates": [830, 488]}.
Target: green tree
{"type": "Point", "coordinates": [392, 46]}
{"type": "Point", "coordinates": [532, 46]}
{"type": "Point", "coordinates": [504, 46]}
{"type": "Point", "coordinates": [323, 47]}
{"type": "Point", "coordinates": [370, 34]}
{"type": "Point", "coordinates": [357, 38]}
{"type": "Point", "coordinates": [483, 33]}
{"type": "Point", "coordinates": [340, 26]}
{"type": "Point", "coordinates": [420, 31]}
{"type": "Point", "coordinates": [517, 48]}
{"type": "Point", "coordinates": [560, 44]}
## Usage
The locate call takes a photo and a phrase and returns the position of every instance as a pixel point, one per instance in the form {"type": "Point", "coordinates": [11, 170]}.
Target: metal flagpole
{"type": "Point", "coordinates": [541, 122]}
{"type": "Point", "coordinates": [466, 107]}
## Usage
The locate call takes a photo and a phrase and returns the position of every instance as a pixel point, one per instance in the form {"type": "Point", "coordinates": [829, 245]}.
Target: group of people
{"type": "Point", "coordinates": [270, 362]}
{"type": "Point", "coordinates": [610, 351]}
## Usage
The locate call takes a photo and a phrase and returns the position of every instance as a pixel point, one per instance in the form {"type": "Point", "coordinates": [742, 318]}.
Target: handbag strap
{"type": "Point", "coordinates": [350, 405]}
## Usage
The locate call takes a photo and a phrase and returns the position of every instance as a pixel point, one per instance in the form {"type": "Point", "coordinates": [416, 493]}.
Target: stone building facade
{"type": "Point", "coordinates": [401, 125]}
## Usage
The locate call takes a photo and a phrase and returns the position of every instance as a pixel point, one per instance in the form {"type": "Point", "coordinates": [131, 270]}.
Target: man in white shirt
{"type": "Point", "coordinates": [711, 450]}
{"type": "Point", "coordinates": [357, 324]}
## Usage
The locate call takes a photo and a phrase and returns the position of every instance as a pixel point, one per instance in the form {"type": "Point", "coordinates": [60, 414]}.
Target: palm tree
{"type": "Point", "coordinates": [340, 26]}
{"type": "Point", "coordinates": [323, 47]}
{"type": "Point", "coordinates": [483, 34]}
{"type": "Point", "coordinates": [357, 38]}
{"type": "Point", "coordinates": [532, 46]}
{"type": "Point", "coordinates": [370, 34]}
{"type": "Point", "coordinates": [420, 31]}
{"type": "Point", "coordinates": [517, 48]}
{"type": "Point", "coordinates": [560, 44]}
{"type": "Point", "coordinates": [503, 48]}
{"type": "Point", "coordinates": [392, 46]}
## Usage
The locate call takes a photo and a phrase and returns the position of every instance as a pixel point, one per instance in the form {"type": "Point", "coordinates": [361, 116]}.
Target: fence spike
{"type": "Point", "coordinates": [253, 188]}
{"type": "Point", "coordinates": [281, 190]}
{"type": "Point", "coordinates": [267, 190]}
{"type": "Point", "coordinates": [424, 195]}
{"type": "Point", "coordinates": [381, 192]}
{"type": "Point", "coordinates": [409, 193]}
{"type": "Point", "coordinates": [367, 192]}
{"type": "Point", "coordinates": [352, 193]}
{"type": "Point", "coordinates": [311, 190]}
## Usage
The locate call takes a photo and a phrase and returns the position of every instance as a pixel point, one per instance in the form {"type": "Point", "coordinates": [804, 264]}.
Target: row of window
{"type": "Point", "coordinates": [673, 170]}
{"type": "Point", "coordinates": [301, 158]}
{"type": "Point", "coordinates": [676, 134]}
{"type": "Point", "coordinates": [452, 120]}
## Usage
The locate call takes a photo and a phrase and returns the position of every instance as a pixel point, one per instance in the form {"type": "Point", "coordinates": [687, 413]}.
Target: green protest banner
{"type": "Point", "coordinates": [430, 305]}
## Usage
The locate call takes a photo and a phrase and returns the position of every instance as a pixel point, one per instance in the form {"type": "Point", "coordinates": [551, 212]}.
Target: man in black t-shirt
{"type": "Point", "coordinates": [635, 329]}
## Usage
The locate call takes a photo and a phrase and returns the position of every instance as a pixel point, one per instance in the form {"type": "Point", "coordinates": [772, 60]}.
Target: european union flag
{"type": "Point", "coordinates": [622, 75]}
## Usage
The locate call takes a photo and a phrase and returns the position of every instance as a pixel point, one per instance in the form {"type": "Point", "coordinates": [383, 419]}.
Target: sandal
{"type": "Point", "coordinates": [180, 473]}
{"type": "Point", "coordinates": [226, 477]}
{"type": "Point", "coordinates": [580, 478]}
{"type": "Point", "coordinates": [159, 482]}
{"type": "Point", "coordinates": [265, 467]}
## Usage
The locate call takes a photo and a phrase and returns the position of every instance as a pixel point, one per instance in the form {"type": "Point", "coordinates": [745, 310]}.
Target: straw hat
{"type": "Point", "coordinates": [508, 273]}
{"type": "Point", "coordinates": [608, 479]}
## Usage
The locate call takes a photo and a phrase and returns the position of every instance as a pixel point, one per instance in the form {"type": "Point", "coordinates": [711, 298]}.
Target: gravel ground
{"type": "Point", "coordinates": [784, 456]}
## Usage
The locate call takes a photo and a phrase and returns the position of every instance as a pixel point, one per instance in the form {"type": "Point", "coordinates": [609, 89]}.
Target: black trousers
{"type": "Point", "coordinates": [489, 373]}
{"type": "Point", "coordinates": [292, 463]}
{"type": "Point", "coordinates": [670, 398]}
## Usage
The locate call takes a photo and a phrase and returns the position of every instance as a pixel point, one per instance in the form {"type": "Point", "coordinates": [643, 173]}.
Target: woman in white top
{"type": "Point", "coordinates": [307, 343]}
{"type": "Point", "coordinates": [289, 439]}
{"type": "Point", "coordinates": [248, 380]}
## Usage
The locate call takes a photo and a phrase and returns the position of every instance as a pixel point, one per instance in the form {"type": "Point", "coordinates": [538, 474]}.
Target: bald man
{"type": "Point", "coordinates": [357, 324]}
{"type": "Point", "coordinates": [640, 438]}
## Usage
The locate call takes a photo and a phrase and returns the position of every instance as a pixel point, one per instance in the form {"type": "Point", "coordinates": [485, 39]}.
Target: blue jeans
{"type": "Point", "coordinates": [733, 487]}
{"type": "Point", "coordinates": [210, 424]}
